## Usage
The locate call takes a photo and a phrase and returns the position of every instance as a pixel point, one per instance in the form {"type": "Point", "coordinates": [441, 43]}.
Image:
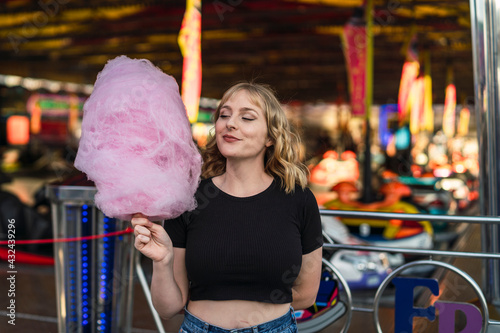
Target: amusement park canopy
{"type": "Point", "coordinates": [295, 45]}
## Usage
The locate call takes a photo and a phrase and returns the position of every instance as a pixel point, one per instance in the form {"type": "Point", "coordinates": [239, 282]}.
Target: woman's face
{"type": "Point", "coordinates": [241, 129]}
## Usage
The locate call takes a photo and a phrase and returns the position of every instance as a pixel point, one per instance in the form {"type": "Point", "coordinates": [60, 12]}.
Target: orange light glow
{"type": "Point", "coordinates": [18, 130]}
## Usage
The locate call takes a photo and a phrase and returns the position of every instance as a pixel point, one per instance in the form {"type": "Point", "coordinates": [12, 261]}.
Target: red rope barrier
{"type": "Point", "coordinates": [26, 257]}
{"type": "Point", "coordinates": [66, 240]}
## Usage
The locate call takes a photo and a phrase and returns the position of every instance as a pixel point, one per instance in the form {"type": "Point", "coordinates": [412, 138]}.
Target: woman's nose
{"type": "Point", "coordinates": [231, 123]}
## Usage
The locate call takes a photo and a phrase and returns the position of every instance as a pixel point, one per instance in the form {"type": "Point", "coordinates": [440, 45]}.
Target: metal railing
{"type": "Point", "coordinates": [487, 322]}
{"type": "Point", "coordinates": [413, 217]}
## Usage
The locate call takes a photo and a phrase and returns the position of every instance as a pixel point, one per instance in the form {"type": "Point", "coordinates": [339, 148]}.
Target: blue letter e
{"type": "Point", "coordinates": [404, 310]}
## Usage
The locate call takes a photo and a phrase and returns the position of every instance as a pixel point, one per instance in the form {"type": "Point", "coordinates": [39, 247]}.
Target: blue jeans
{"type": "Point", "coordinates": [285, 324]}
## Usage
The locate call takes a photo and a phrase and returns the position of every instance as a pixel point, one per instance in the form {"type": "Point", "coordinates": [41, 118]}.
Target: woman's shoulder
{"type": "Point", "coordinates": [205, 181]}
{"type": "Point", "coordinates": [304, 192]}
{"type": "Point", "coordinates": [298, 190]}
{"type": "Point", "coordinates": [205, 186]}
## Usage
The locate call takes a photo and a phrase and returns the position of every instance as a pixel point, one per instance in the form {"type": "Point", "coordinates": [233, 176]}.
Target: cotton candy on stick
{"type": "Point", "coordinates": [136, 143]}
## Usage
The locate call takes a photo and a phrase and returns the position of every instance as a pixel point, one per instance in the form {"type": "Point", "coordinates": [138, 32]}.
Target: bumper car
{"type": "Point", "coordinates": [426, 193]}
{"type": "Point", "coordinates": [361, 269]}
{"type": "Point", "coordinates": [393, 233]}
{"type": "Point", "coordinates": [327, 297]}
{"type": "Point", "coordinates": [328, 307]}
{"type": "Point", "coordinates": [462, 189]}
{"type": "Point", "coordinates": [331, 170]}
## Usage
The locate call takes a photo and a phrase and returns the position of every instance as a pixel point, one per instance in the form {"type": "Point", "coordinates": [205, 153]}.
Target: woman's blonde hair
{"type": "Point", "coordinates": [282, 159]}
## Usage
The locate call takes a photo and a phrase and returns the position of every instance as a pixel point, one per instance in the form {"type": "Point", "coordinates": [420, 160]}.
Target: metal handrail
{"type": "Point", "coordinates": [414, 217]}
{"type": "Point", "coordinates": [410, 217]}
{"type": "Point", "coordinates": [424, 252]}
{"type": "Point", "coordinates": [367, 215]}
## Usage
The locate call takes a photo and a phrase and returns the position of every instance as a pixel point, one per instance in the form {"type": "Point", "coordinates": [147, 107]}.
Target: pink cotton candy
{"type": "Point", "coordinates": [136, 143]}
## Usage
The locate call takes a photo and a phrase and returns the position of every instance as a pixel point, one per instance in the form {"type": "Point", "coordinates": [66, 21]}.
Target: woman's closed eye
{"type": "Point", "coordinates": [244, 118]}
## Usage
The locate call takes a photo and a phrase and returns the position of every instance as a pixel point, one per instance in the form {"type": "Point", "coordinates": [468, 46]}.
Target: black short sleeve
{"type": "Point", "coordinates": [312, 237]}
{"type": "Point", "coordinates": [177, 230]}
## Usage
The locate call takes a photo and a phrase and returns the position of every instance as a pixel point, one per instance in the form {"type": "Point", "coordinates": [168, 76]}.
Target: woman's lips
{"type": "Point", "coordinates": [230, 138]}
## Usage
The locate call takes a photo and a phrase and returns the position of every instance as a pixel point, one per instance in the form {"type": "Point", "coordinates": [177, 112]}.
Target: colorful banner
{"type": "Point", "coordinates": [408, 77]}
{"type": "Point", "coordinates": [463, 122]}
{"type": "Point", "coordinates": [190, 44]}
{"type": "Point", "coordinates": [428, 113]}
{"type": "Point", "coordinates": [416, 101]}
{"type": "Point", "coordinates": [420, 100]}
{"type": "Point", "coordinates": [354, 41]}
{"type": "Point", "coordinates": [450, 103]}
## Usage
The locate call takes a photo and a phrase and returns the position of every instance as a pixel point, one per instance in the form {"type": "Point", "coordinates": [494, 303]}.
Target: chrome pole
{"type": "Point", "coordinates": [147, 293]}
{"type": "Point", "coordinates": [485, 15]}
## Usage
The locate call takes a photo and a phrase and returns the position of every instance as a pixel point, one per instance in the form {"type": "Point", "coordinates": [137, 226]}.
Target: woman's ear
{"type": "Point", "coordinates": [269, 142]}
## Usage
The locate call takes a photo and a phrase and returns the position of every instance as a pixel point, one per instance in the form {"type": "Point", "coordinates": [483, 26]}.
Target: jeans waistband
{"type": "Point", "coordinates": [276, 325]}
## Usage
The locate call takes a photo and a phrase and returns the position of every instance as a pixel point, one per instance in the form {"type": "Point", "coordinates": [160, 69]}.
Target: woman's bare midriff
{"type": "Point", "coordinates": [236, 313]}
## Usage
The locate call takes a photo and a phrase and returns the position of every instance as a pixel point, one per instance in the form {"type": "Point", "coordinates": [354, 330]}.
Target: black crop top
{"type": "Point", "coordinates": [246, 248]}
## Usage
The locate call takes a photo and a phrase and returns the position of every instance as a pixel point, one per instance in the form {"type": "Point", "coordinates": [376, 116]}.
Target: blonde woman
{"type": "Point", "coordinates": [250, 254]}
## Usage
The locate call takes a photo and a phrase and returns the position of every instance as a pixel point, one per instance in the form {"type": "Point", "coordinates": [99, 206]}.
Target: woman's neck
{"type": "Point", "coordinates": [243, 181]}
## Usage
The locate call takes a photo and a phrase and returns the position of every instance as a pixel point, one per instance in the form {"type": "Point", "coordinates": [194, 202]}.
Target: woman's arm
{"type": "Point", "coordinates": [305, 287]}
{"type": "Point", "coordinates": [169, 286]}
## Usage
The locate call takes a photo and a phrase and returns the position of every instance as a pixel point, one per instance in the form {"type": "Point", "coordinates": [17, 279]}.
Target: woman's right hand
{"type": "Point", "coordinates": [151, 239]}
